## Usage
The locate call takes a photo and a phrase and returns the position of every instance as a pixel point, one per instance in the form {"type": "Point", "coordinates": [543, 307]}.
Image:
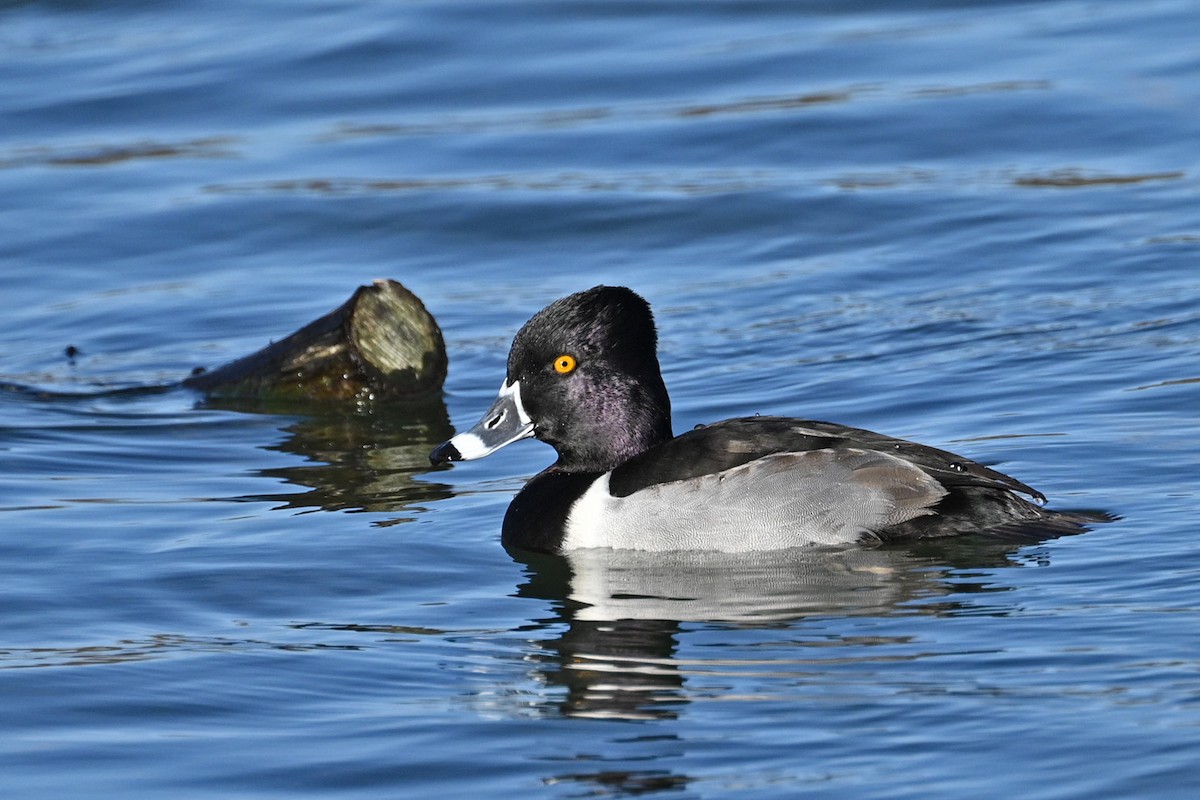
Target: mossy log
{"type": "Point", "coordinates": [381, 344]}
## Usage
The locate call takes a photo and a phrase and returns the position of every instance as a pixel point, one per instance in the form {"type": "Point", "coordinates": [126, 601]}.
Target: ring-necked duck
{"type": "Point", "coordinates": [583, 376]}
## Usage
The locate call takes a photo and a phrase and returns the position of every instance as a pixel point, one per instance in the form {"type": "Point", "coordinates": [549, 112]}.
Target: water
{"type": "Point", "coordinates": [970, 223]}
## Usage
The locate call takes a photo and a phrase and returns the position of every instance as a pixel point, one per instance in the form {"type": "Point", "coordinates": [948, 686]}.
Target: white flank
{"type": "Point", "coordinates": [585, 524]}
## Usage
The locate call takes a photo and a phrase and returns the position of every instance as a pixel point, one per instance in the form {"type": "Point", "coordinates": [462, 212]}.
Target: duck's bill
{"type": "Point", "coordinates": [504, 423]}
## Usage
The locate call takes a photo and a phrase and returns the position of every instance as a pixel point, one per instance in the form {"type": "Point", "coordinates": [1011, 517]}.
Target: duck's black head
{"type": "Point", "coordinates": [583, 376]}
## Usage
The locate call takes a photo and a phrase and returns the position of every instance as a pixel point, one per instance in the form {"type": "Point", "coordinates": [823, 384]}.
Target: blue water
{"type": "Point", "coordinates": [970, 223]}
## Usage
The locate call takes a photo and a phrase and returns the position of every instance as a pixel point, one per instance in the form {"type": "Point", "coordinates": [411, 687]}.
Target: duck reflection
{"type": "Point", "coordinates": [361, 461]}
{"type": "Point", "coordinates": [625, 610]}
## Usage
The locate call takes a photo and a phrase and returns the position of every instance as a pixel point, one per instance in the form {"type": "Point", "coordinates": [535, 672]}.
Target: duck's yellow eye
{"type": "Point", "coordinates": [564, 364]}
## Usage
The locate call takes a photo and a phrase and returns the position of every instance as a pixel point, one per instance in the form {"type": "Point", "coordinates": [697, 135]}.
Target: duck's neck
{"type": "Point", "coordinates": [618, 447]}
{"type": "Point", "coordinates": [618, 432]}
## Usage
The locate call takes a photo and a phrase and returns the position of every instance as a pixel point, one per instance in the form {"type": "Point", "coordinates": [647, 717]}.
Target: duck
{"type": "Point", "coordinates": [583, 376]}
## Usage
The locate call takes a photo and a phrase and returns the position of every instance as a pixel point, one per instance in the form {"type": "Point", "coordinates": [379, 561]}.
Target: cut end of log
{"type": "Point", "coordinates": [381, 344]}
{"type": "Point", "coordinates": [398, 338]}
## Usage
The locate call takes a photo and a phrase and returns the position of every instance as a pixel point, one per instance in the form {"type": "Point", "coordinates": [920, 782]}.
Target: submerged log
{"type": "Point", "coordinates": [381, 344]}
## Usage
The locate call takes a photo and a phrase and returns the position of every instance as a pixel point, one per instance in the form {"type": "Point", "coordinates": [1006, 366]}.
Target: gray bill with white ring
{"type": "Point", "coordinates": [504, 423]}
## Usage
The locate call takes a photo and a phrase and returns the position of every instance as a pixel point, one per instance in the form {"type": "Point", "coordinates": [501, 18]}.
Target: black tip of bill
{"type": "Point", "coordinates": [444, 453]}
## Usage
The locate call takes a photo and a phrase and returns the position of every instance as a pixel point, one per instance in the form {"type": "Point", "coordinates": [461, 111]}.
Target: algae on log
{"type": "Point", "coordinates": [380, 344]}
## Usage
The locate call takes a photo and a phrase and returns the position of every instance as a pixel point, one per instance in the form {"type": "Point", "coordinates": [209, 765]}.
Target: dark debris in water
{"type": "Point", "coordinates": [1072, 178]}
{"type": "Point", "coordinates": [100, 155]}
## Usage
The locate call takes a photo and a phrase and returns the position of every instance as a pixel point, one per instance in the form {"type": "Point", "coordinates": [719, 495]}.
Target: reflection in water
{"type": "Point", "coordinates": [625, 782]}
{"type": "Point", "coordinates": [624, 611]}
{"type": "Point", "coordinates": [752, 587]}
{"type": "Point", "coordinates": [361, 461]}
{"type": "Point", "coordinates": [619, 670]}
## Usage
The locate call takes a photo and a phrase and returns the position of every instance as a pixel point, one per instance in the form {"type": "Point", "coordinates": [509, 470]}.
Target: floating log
{"type": "Point", "coordinates": [381, 344]}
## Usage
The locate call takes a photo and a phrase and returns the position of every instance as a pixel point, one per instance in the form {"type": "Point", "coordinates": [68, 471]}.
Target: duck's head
{"type": "Point", "coordinates": [583, 376]}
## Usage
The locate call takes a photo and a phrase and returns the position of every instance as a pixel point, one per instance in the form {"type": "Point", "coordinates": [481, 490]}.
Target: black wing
{"type": "Point", "coordinates": [715, 448]}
